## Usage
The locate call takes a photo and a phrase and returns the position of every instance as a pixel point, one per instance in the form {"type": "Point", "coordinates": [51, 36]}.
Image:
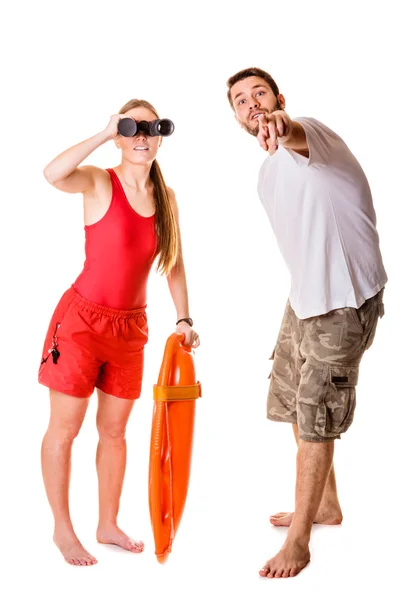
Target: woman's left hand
{"type": "Point", "coordinates": [191, 337]}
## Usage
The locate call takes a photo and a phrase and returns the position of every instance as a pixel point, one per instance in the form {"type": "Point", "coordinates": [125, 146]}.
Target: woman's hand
{"type": "Point", "coordinates": [191, 337]}
{"type": "Point", "coordinates": [112, 127]}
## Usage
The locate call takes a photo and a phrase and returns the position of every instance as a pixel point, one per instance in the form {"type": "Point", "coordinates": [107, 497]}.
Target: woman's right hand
{"type": "Point", "coordinates": [112, 127]}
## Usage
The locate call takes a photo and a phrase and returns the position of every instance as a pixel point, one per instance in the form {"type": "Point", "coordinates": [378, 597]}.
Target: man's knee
{"type": "Point", "coordinates": [111, 431]}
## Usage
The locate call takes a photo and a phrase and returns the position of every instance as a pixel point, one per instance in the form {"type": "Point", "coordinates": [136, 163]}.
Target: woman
{"type": "Point", "coordinates": [99, 328]}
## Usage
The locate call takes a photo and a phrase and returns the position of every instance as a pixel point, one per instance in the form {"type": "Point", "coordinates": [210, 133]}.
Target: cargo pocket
{"type": "Point", "coordinates": [335, 411]}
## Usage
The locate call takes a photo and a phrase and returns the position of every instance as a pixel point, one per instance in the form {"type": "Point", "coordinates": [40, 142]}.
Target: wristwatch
{"type": "Point", "coordinates": [187, 320]}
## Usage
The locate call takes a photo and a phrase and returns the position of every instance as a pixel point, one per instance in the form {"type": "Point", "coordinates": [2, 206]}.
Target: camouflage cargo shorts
{"type": "Point", "coordinates": [315, 369]}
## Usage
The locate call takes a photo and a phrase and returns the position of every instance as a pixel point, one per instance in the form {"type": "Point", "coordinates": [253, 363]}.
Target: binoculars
{"type": "Point", "coordinates": [128, 127]}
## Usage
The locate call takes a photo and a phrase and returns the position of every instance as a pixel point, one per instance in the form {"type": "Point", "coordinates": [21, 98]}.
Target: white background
{"type": "Point", "coordinates": [67, 66]}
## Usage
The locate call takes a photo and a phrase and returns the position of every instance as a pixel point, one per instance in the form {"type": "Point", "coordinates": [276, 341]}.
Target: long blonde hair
{"type": "Point", "coordinates": [166, 225]}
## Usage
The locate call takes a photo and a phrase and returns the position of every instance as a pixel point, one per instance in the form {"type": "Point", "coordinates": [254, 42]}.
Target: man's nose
{"type": "Point", "coordinates": [254, 104]}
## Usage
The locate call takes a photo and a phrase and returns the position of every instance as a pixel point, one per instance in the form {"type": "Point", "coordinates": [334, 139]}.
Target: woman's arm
{"type": "Point", "coordinates": [178, 286]}
{"type": "Point", "coordinates": [63, 172]}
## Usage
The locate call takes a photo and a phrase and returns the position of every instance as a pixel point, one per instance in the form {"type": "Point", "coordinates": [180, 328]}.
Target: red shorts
{"type": "Point", "coordinates": [89, 345]}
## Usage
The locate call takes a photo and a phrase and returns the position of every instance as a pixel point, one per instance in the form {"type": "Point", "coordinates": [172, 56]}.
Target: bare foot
{"type": "Point", "coordinates": [72, 550]}
{"type": "Point", "coordinates": [112, 534]}
{"type": "Point", "coordinates": [291, 559]}
{"type": "Point", "coordinates": [325, 516]}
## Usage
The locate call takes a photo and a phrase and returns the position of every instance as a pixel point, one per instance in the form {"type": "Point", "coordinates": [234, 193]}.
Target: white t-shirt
{"type": "Point", "coordinates": [323, 217]}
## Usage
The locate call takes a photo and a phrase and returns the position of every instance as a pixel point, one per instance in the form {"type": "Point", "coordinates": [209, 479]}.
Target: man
{"type": "Point", "coordinates": [320, 206]}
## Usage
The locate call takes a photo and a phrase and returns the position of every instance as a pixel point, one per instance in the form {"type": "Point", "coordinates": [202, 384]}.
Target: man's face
{"type": "Point", "coordinates": [251, 97]}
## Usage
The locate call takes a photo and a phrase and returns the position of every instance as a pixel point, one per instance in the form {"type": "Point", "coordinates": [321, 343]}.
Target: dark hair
{"type": "Point", "coordinates": [252, 72]}
{"type": "Point", "coordinates": [167, 229]}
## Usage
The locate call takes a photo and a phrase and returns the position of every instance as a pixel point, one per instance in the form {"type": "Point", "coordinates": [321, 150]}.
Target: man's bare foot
{"type": "Point", "coordinates": [325, 516]}
{"type": "Point", "coordinates": [291, 559]}
{"type": "Point", "coordinates": [72, 550]}
{"type": "Point", "coordinates": [112, 534]}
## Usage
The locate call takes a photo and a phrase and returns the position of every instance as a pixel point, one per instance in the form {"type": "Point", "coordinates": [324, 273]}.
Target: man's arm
{"type": "Point", "coordinates": [277, 128]}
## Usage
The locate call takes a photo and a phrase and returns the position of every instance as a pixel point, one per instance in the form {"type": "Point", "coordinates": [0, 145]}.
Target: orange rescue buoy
{"type": "Point", "coordinates": [171, 442]}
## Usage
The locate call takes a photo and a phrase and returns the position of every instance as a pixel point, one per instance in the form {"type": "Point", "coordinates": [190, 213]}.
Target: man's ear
{"type": "Point", "coordinates": [282, 101]}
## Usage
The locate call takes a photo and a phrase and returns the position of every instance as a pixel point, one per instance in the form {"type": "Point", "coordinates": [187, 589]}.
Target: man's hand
{"type": "Point", "coordinates": [274, 128]}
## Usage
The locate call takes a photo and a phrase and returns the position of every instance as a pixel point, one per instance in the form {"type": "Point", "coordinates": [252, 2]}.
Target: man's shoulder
{"type": "Point", "coordinates": [314, 123]}
{"type": "Point", "coordinates": [321, 136]}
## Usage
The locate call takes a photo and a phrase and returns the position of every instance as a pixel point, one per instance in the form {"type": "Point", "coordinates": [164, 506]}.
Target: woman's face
{"type": "Point", "coordinates": [140, 149]}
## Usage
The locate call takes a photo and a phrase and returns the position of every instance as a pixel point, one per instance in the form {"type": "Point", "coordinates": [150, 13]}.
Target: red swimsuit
{"type": "Point", "coordinates": [98, 331]}
{"type": "Point", "coordinates": [119, 254]}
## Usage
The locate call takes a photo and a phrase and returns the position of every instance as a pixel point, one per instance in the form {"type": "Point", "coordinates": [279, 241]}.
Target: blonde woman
{"type": "Point", "coordinates": [98, 331]}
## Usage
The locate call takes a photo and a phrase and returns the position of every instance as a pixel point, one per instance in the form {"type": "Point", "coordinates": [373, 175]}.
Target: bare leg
{"type": "Point", "coordinates": [329, 511]}
{"type": "Point", "coordinates": [67, 414]}
{"type": "Point", "coordinates": [314, 462]}
{"type": "Point", "coordinates": [112, 418]}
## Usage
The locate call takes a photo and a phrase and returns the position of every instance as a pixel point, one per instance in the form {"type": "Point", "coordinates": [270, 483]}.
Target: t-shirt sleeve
{"type": "Point", "coordinates": [320, 141]}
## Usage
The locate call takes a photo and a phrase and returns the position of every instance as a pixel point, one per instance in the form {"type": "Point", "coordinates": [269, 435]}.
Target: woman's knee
{"type": "Point", "coordinates": [65, 430]}
{"type": "Point", "coordinates": [67, 414]}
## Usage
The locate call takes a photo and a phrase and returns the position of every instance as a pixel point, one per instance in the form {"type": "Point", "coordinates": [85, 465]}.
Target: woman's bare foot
{"type": "Point", "coordinates": [72, 550]}
{"type": "Point", "coordinates": [291, 559]}
{"type": "Point", "coordinates": [331, 515]}
{"type": "Point", "coordinates": [112, 534]}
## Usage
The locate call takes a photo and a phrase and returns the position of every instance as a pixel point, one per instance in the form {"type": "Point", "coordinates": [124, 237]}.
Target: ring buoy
{"type": "Point", "coordinates": [175, 398]}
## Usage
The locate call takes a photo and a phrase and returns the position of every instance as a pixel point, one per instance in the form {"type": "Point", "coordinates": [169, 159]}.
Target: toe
{"type": "Point", "coordinates": [285, 574]}
{"type": "Point", "coordinates": [280, 519]}
{"type": "Point", "coordinates": [279, 573]}
{"type": "Point", "coordinates": [264, 571]}
{"type": "Point", "coordinates": [294, 571]}
{"type": "Point", "coordinates": [271, 574]}
{"type": "Point", "coordinates": [139, 546]}
{"type": "Point", "coordinates": [134, 546]}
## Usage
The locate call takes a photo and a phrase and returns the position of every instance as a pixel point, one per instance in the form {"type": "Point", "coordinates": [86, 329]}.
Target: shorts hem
{"type": "Point", "coordinates": [318, 440]}
{"type": "Point", "coordinates": [282, 420]}
{"type": "Point", "coordinates": [122, 396]}
{"type": "Point", "coordinates": [73, 393]}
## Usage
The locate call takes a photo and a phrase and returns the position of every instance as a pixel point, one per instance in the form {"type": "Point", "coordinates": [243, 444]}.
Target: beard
{"type": "Point", "coordinates": [255, 129]}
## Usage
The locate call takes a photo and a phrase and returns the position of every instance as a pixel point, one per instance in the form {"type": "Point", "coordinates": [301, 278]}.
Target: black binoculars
{"type": "Point", "coordinates": [128, 127]}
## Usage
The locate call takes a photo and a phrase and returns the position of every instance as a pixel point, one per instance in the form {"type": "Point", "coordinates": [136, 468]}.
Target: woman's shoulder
{"type": "Point", "coordinates": [171, 194]}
